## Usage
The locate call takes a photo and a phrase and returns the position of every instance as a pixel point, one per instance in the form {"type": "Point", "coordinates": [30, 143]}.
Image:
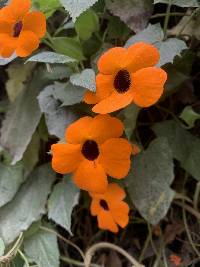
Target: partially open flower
{"type": "Point", "coordinates": [93, 151]}
{"type": "Point", "coordinates": [110, 208]}
{"type": "Point", "coordinates": [127, 75]}
{"type": "Point", "coordinates": [20, 29]}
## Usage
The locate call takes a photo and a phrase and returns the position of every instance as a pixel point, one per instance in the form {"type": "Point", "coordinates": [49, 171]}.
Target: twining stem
{"type": "Point", "coordinates": [188, 21]}
{"type": "Point", "coordinates": [188, 232]}
{"type": "Point", "coordinates": [90, 252]}
{"type": "Point", "coordinates": [147, 241]}
{"type": "Point", "coordinates": [196, 196]}
{"type": "Point", "coordinates": [167, 16]}
{"type": "Point", "coordinates": [76, 263]}
{"type": "Point", "coordinates": [23, 257]}
{"type": "Point", "coordinates": [160, 15]}
{"type": "Point", "coordinates": [64, 239]}
{"type": "Point", "coordinates": [188, 208]}
{"type": "Point", "coordinates": [13, 250]}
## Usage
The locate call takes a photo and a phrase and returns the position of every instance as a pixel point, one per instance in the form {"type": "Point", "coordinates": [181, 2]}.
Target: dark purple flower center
{"type": "Point", "coordinates": [104, 204]}
{"type": "Point", "coordinates": [122, 81]}
{"type": "Point", "coordinates": [90, 150]}
{"type": "Point", "coordinates": [17, 29]}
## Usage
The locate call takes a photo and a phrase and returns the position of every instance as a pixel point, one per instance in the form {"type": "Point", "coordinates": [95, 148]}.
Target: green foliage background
{"type": "Point", "coordinates": [43, 94]}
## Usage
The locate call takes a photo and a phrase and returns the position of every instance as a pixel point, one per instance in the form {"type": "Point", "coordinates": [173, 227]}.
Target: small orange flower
{"type": "Point", "coordinates": [127, 75]}
{"type": "Point", "coordinates": [175, 259]}
{"type": "Point", "coordinates": [93, 151]}
{"type": "Point", "coordinates": [20, 30]}
{"type": "Point", "coordinates": [109, 208]}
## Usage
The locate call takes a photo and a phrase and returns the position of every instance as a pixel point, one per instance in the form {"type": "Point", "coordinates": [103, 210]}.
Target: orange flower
{"type": "Point", "coordinates": [93, 151]}
{"type": "Point", "coordinates": [175, 259]}
{"type": "Point", "coordinates": [20, 30]}
{"type": "Point", "coordinates": [110, 209]}
{"type": "Point", "coordinates": [127, 75]}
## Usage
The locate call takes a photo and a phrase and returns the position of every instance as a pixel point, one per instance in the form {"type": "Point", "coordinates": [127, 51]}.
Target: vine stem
{"type": "Point", "coordinates": [102, 245]}
{"type": "Point", "coordinates": [12, 252]}
{"type": "Point", "coordinates": [64, 239]}
{"type": "Point", "coordinates": [74, 262]}
{"type": "Point", "coordinates": [196, 196]}
{"type": "Point", "coordinates": [188, 231]}
{"type": "Point", "coordinates": [23, 257]}
{"type": "Point", "coordinates": [160, 15]}
{"type": "Point", "coordinates": [167, 16]}
{"type": "Point", "coordinates": [188, 21]}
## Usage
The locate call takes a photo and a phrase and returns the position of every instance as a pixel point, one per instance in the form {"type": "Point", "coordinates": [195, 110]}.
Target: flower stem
{"type": "Point", "coordinates": [167, 16]}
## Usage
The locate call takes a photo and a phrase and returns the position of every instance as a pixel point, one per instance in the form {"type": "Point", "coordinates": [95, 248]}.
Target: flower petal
{"type": "Point", "coordinates": [104, 85]}
{"type": "Point", "coordinates": [114, 102]}
{"type": "Point", "coordinates": [27, 43]}
{"type": "Point", "coordinates": [6, 14]}
{"type": "Point", "coordinates": [112, 60]}
{"type": "Point", "coordinates": [106, 221]}
{"type": "Point", "coordinates": [120, 211]}
{"type": "Point", "coordinates": [6, 27]}
{"type": "Point", "coordinates": [66, 157]}
{"type": "Point", "coordinates": [20, 8]}
{"type": "Point", "coordinates": [35, 22]}
{"type": "Point", "coordinates": [142, 55]}
{"type": "Point", "coordinates": [104, 127]}
{"type": "Point", "coordinates": [95, 207]}
{"type": "Point", "coordinates": [115, 157]}
{"type": "Point", "coordinates": [90, 97]}
{"type": "Point", "coordinates": [90, 176]}
{"type": "Point", "coordinates": [114, 193]}
{"type": "Point", "coordinates": [148, 86]}
{"type": "Point", "coordinates": [78, 131]}
{"type": "Point", "coordinates": [7, 45]}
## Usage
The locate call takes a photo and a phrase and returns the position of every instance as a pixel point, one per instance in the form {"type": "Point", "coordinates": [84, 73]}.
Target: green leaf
{"type": "Point", "coordinates": [35, 226]}
{"type": "Point", "coordinates": [11, 177]}
{"type": "Point", "coordinates": [135, 13]}
{"type": "Point", "coordinates": [153, 34]}
{"type": "Point", "coordinates": [76, 8]}
{"type": "Point", "coordinates": [168, 49]}
{"type": "Point", "coordinates": [51, 57]}
{"type": "Point", "coordinates": [175, 79]}
{"type": "Point", "coordinates": [68, 93]}
{"type": "Point", "coordinates": [149, 180]}
{"type": "Point", "coordinates": [28, 205]}
{"type": "Point", "coordinates": [184, 145]}
{"type": "Point", "coordinates": [130, 113]}
{"type": "Point", "coordinates": [181, 3]}
{"type": "Point", "coordinates": [189, 116]}
{"type": "Point", "coordinates": [31, 155]}
{"type": "Point", "coordinates": [87, 24]}
{"type": "Point", "coordinates": [18, 74]}
{"type": "Point", "coordinates": [68, 46]}
{"type": "Point", "coordinates": [42, 248]}
{"type": "Point", "coordinates": [63, 199]}
{"type": "Point", "coordinates": [48, 7]}
{"type": "Point", "coordinates": [2, 247]}
{"type": "Point", "coordinates": [117, 29]}
{"type": "Point", "coordinates": [57, 118]}
{"type": "Point", "coordinates": [86, 79]}
{"type": "Point", "coordinates": [22, 119]}
{"type": "Point", "coordinates": [5, 61]}
{"type": "Point", "coordinates": [57, 72]}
